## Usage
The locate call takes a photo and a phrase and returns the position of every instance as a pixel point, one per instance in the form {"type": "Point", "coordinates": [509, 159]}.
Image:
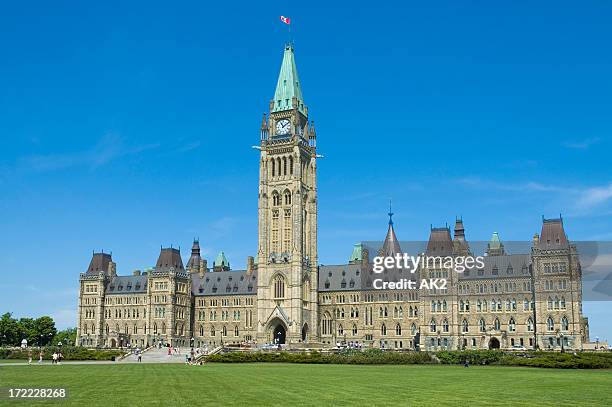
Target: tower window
{"type": "Point", "coordinates": [279, 287]}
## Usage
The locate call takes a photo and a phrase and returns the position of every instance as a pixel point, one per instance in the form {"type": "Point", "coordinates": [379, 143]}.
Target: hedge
{"type": "Point", "coordinates": [583, 360]}
{"type": "Point", "coordinates": [68, 352]}
{"type": "Point", "coordinates": [354, 358]}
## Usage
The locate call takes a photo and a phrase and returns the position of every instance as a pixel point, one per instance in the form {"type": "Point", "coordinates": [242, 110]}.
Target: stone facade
{"type": "Point", "coordinates": [284, 296]}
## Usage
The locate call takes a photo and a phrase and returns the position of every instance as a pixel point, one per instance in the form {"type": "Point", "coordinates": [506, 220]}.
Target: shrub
{"type": "Point", "coordinates": [345, 357]}
{"type": "Point", "coordinates": [474, 357]}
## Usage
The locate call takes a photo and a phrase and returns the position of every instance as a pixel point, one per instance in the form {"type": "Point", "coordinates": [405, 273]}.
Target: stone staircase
{"type": "Point", "coordinates": [156, 355]}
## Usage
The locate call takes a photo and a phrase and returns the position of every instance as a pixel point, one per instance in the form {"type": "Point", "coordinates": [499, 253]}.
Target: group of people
{"type": "Point", "coordinates": [56, 357]}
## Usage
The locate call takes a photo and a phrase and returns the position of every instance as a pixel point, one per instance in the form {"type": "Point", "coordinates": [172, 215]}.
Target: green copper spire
{"type": "Point", "coordinates": [357, 254]}
{"type": "Point", "coordinates": [288, 86]}
{"type": "Point", "coordinates": [221, 260]}
{"type": "Point", "coordinates": [495, 243]}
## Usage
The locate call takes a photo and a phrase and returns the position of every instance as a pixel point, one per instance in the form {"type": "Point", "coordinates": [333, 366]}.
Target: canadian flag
{"type": "Point", "coordinates": [285, 20]}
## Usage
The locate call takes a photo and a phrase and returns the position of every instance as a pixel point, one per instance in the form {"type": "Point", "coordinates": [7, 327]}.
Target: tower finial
{"type": "Point", "coordinates": [390, 214]}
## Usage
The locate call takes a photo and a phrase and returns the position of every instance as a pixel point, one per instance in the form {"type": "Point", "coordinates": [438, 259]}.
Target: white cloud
{"type": "Point", "coordinates": [580, 199]}
{"type": "Point", "coordinates": [595, 196]}
{"type": "Point", "coordinates": [108, 148]}
{"type": "Point", "coordinates": [581, 144]}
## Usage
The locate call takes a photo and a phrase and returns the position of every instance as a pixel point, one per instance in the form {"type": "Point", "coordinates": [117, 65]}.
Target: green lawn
{"type": "Point", "coordinates": [313, 385]}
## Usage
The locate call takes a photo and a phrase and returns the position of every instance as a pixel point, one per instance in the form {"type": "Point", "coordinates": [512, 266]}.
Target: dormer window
{"type": "Point", "coordinates": [326, 283]}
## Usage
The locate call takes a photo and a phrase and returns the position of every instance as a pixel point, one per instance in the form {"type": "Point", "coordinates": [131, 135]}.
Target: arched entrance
{"type": "Point", "coordinates": [279, 334]}
{"type": "Point", "coordinates": [494, 343]}
{"type": "Point", "coordinates": [113, 343]}
{"type": "Point", "coordinates": [304, 332]}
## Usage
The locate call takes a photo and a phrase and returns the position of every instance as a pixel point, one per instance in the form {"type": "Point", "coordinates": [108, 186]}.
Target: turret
{"type": "Point", "coordinates": [495, 246]}
{"type": "Point", "coordinates": [221, 263]}
{"type": "Point", "coordinates": [193, 265]}
{"type": "Point", "coordinates": [264, 128]}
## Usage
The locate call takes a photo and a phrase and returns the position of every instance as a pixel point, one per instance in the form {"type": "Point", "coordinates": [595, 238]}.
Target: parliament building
{"type": "Point", "coordinates": [516, 300]}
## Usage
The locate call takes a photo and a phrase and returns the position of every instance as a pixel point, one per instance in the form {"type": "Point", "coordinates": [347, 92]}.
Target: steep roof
{"type": "Point", "coordinates": [553, 234]}
{"type": "Point", "coordinates": [440, 242]}
{"type": "Point", "coordinates": [127, 285]}
{"type": "Point", "coordinates": [224, 283]}
{"type": "Point", "coordinates": [99, 262]}
{"type": "Point", "coordinates": [288, 85]}
{"type": "Point", "coordinates": [169, 257]}
{"type": "Point", "coordinates": [509, 265]}
{"type": "Point", "coordinates": [344, 277]}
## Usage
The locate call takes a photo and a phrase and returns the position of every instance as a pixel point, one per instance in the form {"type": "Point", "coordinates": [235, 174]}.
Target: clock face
{"type": "Point", "coordinates": [283, 127]}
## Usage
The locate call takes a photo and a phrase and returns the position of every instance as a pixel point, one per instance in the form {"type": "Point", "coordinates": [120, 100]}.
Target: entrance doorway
{"type": "Point", "coordinates": [304, 332]}
{"type": "Point", "coordinates": [113, 343]}
{"type": "Point", "coordinates": [494, 343]}
{"type": "Point", "coordinates": [279, 334]}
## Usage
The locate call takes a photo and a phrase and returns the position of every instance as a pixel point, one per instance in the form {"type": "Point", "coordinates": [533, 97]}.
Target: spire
{"type": "Point", "coordinates": [288, 94]}
{"type": "Point", "coordinates": [459, 229]}
{"type": "Point", "coordinates": [194, 260]}
{"type": "Point", "coordinates": [391, 246]}
{"type": "Point", "coordinates": [460, 244]}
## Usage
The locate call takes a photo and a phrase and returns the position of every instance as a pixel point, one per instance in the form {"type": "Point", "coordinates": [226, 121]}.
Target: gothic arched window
{"type": "Point", "coordinates": [279, 286]}
{"type": "Point", "coordinates": [398, 329]}
{"type": "Point", "coordinates": [550, 324]}
{"type": "Point", "coordinates": [564, 323]}
{"type": "Point", "coordinates": [512, 325]}
{"type": "Point", "coordinates": [530, 325]}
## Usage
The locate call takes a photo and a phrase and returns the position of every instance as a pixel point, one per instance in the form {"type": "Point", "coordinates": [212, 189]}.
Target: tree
{"type": "Point", "coordinates": [66, 336]}
{"type": "Point", "coordinates": [45, 329]}
{"type": "Point", "coordinates": [9, 331]}
{"type": "Point", "coordinates": [38, 331]}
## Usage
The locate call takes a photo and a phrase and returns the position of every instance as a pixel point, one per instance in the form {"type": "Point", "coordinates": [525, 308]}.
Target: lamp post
{"type": "Point", "coordinates": [597, 343]}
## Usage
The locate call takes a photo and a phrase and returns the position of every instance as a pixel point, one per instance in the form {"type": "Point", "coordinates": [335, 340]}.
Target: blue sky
{"type": "Point", "coordinates": [126, 127]}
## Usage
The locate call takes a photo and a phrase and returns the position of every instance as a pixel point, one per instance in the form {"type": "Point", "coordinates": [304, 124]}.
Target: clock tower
{"type": "Point", "coordinates": [287, 246]}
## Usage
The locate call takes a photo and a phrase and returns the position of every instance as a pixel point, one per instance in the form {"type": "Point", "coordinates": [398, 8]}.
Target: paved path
{"type": "Point", "coordinates": [155, 355]}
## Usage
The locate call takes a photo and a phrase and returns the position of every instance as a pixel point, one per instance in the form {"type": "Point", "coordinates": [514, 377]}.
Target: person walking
{"type": "Point", "coordinates": [29, 357]}
{"type": "Point", "coordinates": [40, 357]}
{"type": "Point", "coordinates": [139, 355]}
{"type": "Point", "coordinates": [54, 358]}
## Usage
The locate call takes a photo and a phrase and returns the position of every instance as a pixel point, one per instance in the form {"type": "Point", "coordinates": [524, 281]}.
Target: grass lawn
{"type": "Point", "coordinates": [312, 385]}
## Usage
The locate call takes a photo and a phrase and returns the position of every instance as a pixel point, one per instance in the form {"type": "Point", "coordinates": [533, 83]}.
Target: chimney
{"type": "Point", "coordinates": [112, 268]}
{"type": "Point", "coordinates": [250, 264]}
{"type": "Point", "coordinates": [136, 272]}
{"type": "Point", "coordinates": [365, 256]}
{"type": "Point", "coordinates": [536, 239]}
{"type": "Point", "coordinates": [203, 267]}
